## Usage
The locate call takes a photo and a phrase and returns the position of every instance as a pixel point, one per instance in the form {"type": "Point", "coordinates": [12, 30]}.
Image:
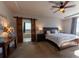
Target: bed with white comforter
{"type": "Point", "coordinates": [60, 38]}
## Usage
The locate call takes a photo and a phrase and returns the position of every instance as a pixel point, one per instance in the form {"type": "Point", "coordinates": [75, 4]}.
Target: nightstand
{"type": "Point", "coordinates": [40, 37]}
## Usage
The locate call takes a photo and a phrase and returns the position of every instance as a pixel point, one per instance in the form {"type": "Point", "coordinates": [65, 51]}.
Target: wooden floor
{"type": "Point", "coordinates": [42, 50]}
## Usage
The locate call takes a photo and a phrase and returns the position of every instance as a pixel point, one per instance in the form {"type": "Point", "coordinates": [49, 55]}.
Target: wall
{"type": "Point", "coordinates": [48, 22]}
{"type": "Point", "coordinates": [67, 25]}
{"type": "Point", "coordinates": [4, 11]}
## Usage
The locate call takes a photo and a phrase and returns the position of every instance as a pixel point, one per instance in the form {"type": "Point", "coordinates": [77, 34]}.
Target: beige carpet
{"type": "Point", "coordinates": [42, 50]}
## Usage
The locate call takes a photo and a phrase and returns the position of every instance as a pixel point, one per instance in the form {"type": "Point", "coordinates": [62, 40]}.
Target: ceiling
{"type": "Point", "coordinates": [39, 9]}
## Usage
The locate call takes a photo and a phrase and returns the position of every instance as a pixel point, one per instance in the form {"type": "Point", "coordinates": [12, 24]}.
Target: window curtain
{"type": "Point", "coordinates": [19, 29]}
{"type": "Point", "coordinates": [73, 26]}
{"type": "Point", "coordinates": [33, 29]}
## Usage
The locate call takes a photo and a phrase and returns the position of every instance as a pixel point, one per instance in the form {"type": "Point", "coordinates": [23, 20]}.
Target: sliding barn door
{"type": "Point", "coordinates": [33, 30]}
{"type": "Point", "coordinates": [19, 30]}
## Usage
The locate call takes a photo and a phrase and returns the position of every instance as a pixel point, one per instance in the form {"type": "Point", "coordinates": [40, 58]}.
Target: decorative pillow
{"type": "Point", "coordinates": [52, 31]}
{"type": "Point", "coordinates": [56, 31]}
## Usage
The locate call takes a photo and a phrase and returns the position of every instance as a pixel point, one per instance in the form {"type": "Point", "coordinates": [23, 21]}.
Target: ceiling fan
{"type": "Point", "coordinates": [61, 6]}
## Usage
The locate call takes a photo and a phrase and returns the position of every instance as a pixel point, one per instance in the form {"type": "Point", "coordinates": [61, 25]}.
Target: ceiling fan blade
{"type": "Point", "coordinates": [56, 10]}
{"type": "Point", "coordinates": [70, 6]}
{"type": "Point", "coordinates": [66, 2]}
{"type": "Point", "coordinates": [55, 7]}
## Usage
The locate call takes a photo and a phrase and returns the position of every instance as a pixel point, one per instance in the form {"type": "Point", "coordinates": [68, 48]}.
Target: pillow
{"type": "Point", "coordinates": [54, 31]}
{"type": "Point", "coordinates": [48, 32]}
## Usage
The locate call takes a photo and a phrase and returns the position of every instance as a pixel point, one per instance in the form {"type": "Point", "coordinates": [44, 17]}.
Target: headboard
{"type": "Point", "coordinates": [45, 29]}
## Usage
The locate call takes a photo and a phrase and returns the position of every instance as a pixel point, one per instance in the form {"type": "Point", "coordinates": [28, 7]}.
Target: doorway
{"type": "Point", "coordinates": [20, 29]}
{"type": "Point", "coordinates": [26, 25]}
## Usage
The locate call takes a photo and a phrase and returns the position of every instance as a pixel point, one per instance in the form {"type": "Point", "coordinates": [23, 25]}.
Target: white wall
{"type": "Point", "coordinates": [54, 22]}
{"type": "Point", "coordinates": [50, 22]}
{"type": "Point", "coordinates": [4, 11]}
{"type": "Point", "coordinates": [67, 25]}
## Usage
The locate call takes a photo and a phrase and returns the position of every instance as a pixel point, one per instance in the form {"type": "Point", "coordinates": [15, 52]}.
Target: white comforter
{"type": "Point", "coordinates": [60, 38]}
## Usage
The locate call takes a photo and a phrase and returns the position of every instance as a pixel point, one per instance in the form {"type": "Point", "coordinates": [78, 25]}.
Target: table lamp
{"type": "Point", "coordinates": [40, 29]}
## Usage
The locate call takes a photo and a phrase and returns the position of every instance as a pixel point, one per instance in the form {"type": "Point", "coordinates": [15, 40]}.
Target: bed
{"type": "Point", "coordinates": [62, 40]}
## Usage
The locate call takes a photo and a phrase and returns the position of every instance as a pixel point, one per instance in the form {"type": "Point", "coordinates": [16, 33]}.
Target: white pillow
{"type": "Point", "coordinates": [48, 32]}
{"type": "Point", "coordinates": [56, 31]}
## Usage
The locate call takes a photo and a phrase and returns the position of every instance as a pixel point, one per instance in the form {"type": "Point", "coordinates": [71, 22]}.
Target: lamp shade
{"type": "Point", "coordinates": [40, 28]}
{"type": "Point", "coordinates": [59, 27]}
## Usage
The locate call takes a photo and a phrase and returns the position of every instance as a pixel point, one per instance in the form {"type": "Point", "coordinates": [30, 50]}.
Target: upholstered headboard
{"type": "Point", "coordinates": [45, 29]}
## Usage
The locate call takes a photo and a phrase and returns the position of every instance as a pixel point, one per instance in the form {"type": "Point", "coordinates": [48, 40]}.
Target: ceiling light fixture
{"type": "Point", "coordinates": [62, 10]}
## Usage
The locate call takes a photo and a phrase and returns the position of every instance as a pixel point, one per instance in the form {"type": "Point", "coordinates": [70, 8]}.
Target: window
{"type": "Point", "coordinates": [77, 28]}
{"type": "Point", "coordinates": [27, 26]}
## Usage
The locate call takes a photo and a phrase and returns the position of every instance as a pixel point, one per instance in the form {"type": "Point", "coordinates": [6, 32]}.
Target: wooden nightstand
{"type": "Point", "coordinates": [40, 37]}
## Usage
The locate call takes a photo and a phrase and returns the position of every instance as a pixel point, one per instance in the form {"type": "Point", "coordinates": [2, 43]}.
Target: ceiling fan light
{"type": "Point", "coordinates": [62, 10]}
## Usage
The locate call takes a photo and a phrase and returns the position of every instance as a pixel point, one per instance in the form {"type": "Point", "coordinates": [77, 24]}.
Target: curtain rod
{"type": "Point", "coordinates": [23, 17]}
